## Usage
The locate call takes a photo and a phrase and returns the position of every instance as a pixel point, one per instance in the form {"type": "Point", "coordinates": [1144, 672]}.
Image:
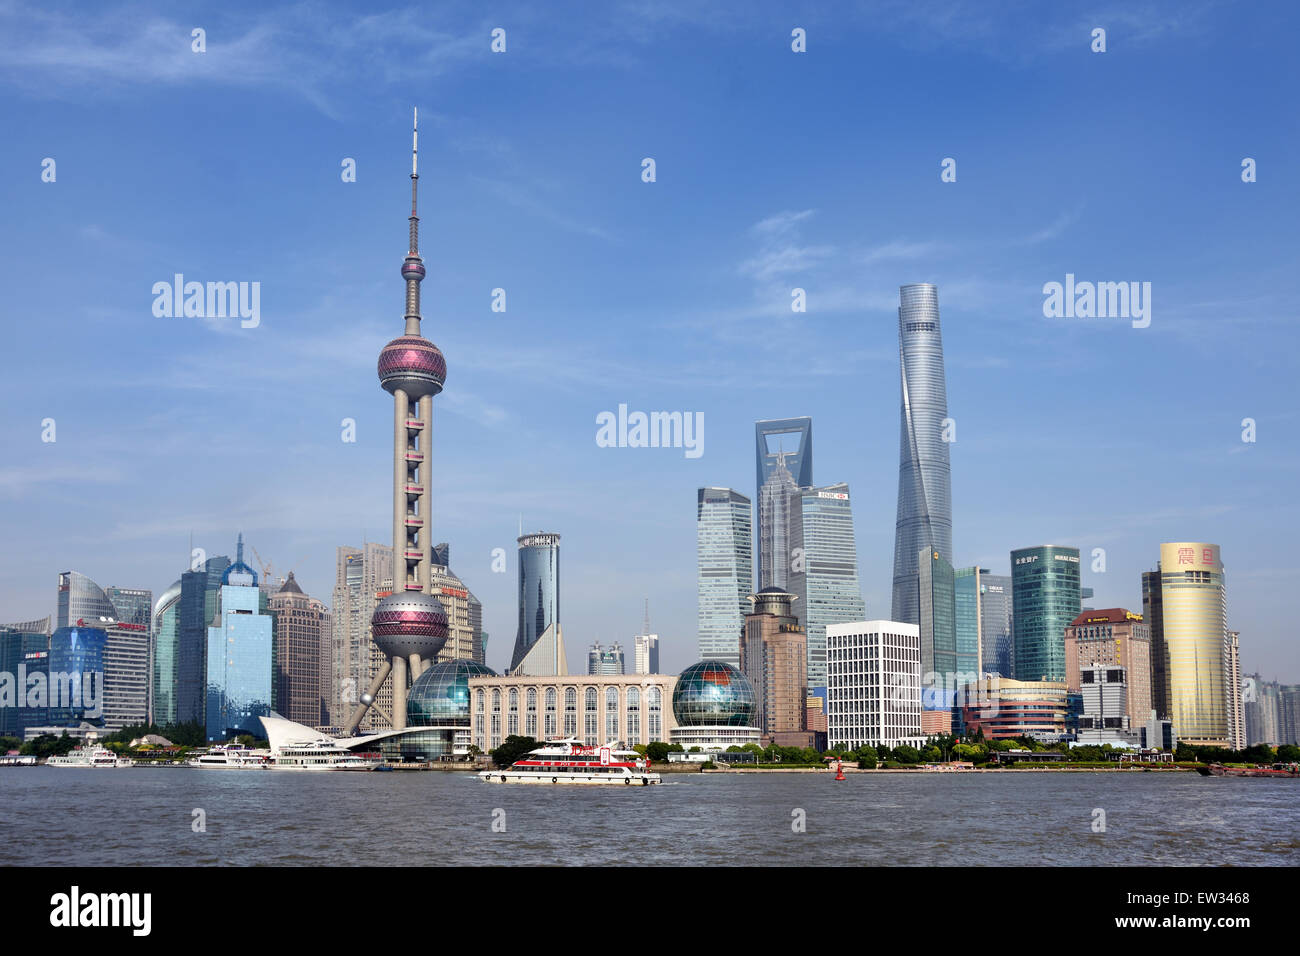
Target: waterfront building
{"type": "Point", "coordinates": [539, 593]}
{"type": "Point", "coordinates": [76, 670]}
{"type": "Point", "coordinates": [23, 653]}
{"type": "Point", "coordinates": [437, 713]}
{"type": "Point", "coordinates": [195, 611]}
{"type": "Point", "coordinates": [968, 617]}
{"type": "Point", "coordinates": [605, 660]}
{"type": "Point", "coordinates": [600, 708]}
{"type": "Point", "coordinates": [937, 622]}
{"type": "Point", "coordinates": [924, 522]}
{"type": "Point", "coordinates": [1194, 643]}
{"type": "Point", "coordinates": [1109, 639]}
{"type": "Point", "coordinates": [1153, 614]}
{"type": "Point", "coordinates": [873, 690]}
{"type": "Point", "coordinates": [1002, 708]}
{"type": "Point", "coordinates": [997, 651]}
{"type": "Point", "coordinates": [783, 463]}
{"type": "Point", "coordinates": [1106, 717]}
{"type": "Point", "coordinates": [1045, 599]}
{"type": "Point", "coordinates": [824, 572]}
{"type": "Point", "coordinates": [166, 647]}
{"type": "Point", "coordinates": [713, 707]}
{"type": "Point", "coordinates": [774, 659]}
{"type": "Point", "coordinates": [240, 655]}
{"type": "Point", "coordinates": [127, 648]}
{"type": "Point", "coordinates": [303, 672]}
{"type": "Point", "coordinates": [1261, 711]}
{"type": "Point", "coordinates": [725, 571]}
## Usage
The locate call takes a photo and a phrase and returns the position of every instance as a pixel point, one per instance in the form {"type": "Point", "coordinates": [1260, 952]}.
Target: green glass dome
{"type": "Point", "coordinates": [440, 696]}
{"type": "Point", "coordinates": [713, 694]}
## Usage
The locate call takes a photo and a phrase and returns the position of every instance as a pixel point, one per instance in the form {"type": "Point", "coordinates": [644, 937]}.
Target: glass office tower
{"type": "Point", "coordinates": [76, 675]}
{"type": "Point", "coordinates": [539, 590]}
{"type": "Point", "coordinates": [725, 571]}
{"type": "Point", "coordinates": [1194, 642]}
{"type": "Point", "coordinates": [938, 625]}
{"type": "Point", "coordinates": [200, 592]}
{"type": "Point", "coordinates": [165, 647]}
{"type": "Point", "coordinates": [240, 661]}
{"type": "Point", "coordinates": [780, 445]}
{"type": "Point", "coordinates": [1045, 599]}
{"type": "Point", "coordinates": [23, 652]}
{"type": "Point", "coordinates": [824, 569]}
{"type": "Point", "coordinates": [924, 486]}
{"type": "Point", "coordinates": [969, 619]}
{"type": "Point", "coordinates": [997, 652]}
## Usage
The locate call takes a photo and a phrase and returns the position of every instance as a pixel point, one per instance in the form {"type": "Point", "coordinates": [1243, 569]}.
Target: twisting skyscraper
{"type": "Point", "coordinates": [924, 486]}
{"type": "Point", "coordinates": [409, 626]}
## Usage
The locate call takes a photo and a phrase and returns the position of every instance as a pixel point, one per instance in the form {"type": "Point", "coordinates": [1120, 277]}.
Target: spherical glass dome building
{"type": "Point", "coordinates": [440, 696]}
{"type": "Point", "coordinates": [713, 694]}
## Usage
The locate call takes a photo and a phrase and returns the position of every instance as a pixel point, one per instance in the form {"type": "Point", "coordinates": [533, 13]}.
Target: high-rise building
{"type": "Point", "coordinates": [1236, 709]}
{"type": "Point", "coordinates": [774, 548]}
{"type": "Point", "coordinates": [725, 571]}
{"type": "Point", "coordinates": [409, 626]}
{"type": "Point", "coordinates": [539, 597]}
{"type": "Point", "coordinates": [23, 652]}
{"type": "Point", "coordinates": [873, 690]}
{"type": "Point", "coordinates": [605, 660]}
{"type": "Point", "coordinates": [361, 576]}
{"type": "Point", "coordinates": [1194, 635]}
{"type": "Point", "coordinates": [782, 463]}
{"type": "Point", "coordinates": [1045, 599]}
{"type": "Point", "coordinates": [127, 648]}
{"type": "Point", "coordinates": [824, 570]}
{"type": "Point", "coordinates": [938, 628]}
{"type": "Point", "coordinates": [304, 664]}
{"type": "Point", "coordinates": [774, 658]}
{"type": "Point", "coordinates": [166, 646]}
{"type": "Point", "coordinates": [646, 651]}
{"type": "Point", "coordinates": [1261, 707]}
{"type": "Point", "coordinates": [997, 650]}
{"type": "Point", "coordinates": [968, 607]}
{"type": "Point", "coordinates": [1153, 614]}
{"type": "Point", "coordinates": [240, 655]}
{"type": "Point", "coordinates": [76, 667]}
{"type": "Point", "coordinates": [924, 484]}
{"type": "Point", "coordinates": [1109, 639]}
{"type": "Point", "coordinates": [196, 610]}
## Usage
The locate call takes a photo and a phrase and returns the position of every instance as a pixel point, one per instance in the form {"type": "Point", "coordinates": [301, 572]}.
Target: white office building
{"type": "Point", "coordinates": [873, 686]}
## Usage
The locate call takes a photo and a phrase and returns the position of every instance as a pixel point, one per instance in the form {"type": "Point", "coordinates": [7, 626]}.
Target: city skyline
{"type": "Point", "coordinates": [1026, 392]}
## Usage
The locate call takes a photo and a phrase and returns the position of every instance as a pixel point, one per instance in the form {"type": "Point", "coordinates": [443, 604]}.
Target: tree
{"type": "Point", "coordinates": [931, 754]}
{"type": "Point", "coordinates": [1184, 754]}
{"type": "Point", "coordinates": [904, 753]}
{"type": "Point", "coordinates": [657, 751]}
{"type": "Point", "coordinates": [1288, 753]}
{"type": "Point", "coordinates": [513, 748]}
{"type": "Point", "coordinates": [867, 758]}
{"type": "Point", "coordinates": [9, 743]}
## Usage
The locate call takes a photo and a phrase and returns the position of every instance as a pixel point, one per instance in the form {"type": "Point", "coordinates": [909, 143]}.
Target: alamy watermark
{"type": "Point", "coordinates": [215, 300]}
{"type": "Point", "coordinates": [651, 430]}
{"type": "Point", "coordinates": [61, 690]}
{"type": "Point", "coordinates": [1098, 300]}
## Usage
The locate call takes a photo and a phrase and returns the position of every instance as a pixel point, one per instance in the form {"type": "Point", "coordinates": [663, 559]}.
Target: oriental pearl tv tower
{"type": "Point", "coordinates": [409, 626]}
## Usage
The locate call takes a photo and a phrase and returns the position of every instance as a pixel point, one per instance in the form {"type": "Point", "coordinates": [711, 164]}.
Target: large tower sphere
{"type": "Point", "coordinates": [409, 622]}
{"type": "Point", "coordinates": [413, 364]}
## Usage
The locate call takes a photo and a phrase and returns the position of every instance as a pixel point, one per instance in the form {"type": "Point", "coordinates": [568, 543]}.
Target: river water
{"type": "Point", "coordinates": [146, 816]}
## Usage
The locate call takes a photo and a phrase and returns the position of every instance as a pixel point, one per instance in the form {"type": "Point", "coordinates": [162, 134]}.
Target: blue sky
{"type": "Point", "coordinates": [775, 170]}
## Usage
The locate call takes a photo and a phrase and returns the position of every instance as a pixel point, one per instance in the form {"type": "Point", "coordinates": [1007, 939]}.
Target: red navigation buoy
{"type": "Point", "coordinates": [839, 770]}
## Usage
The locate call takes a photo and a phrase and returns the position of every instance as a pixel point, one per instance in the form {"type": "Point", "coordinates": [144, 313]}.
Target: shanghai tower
{"type": "Point", "coordinates": [924, 485]}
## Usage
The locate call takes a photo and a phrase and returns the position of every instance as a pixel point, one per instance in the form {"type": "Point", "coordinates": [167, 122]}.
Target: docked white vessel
{"type": "Point", "coordinates": [323, 755]}
{"type": "Point", "coordinates": [96, 757]}
{"type": "Point", "coordinates": [570, 761]}
{"type": "Point", "coordinates": [230, 758]}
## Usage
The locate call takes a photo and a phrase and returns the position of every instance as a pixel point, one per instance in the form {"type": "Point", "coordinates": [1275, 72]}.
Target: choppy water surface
{"type": "Point", "coordinates": [142, 816]}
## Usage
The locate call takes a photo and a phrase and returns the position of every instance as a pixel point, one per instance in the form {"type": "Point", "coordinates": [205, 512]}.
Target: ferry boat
{"type": "Point", "coordinates": [230, 758]}
{"type": "Point", "coordinates": [570, 761]}
{"type": "Point", "coordinates": [1282, 770]}
{"type": "Point", "coordinates": [322, 755]}
{"type": "Point", "coordinates": [96, 757]}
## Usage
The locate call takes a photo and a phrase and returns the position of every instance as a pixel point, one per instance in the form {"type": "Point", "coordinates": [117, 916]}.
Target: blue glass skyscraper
{"type": "Point", "coordinates": [539, 591]}
{"type": "Point", "coordinates": [782, 464]}
{"type": "Point", "coordinates": [240, 662]}
{"type": "Point", "coordinates": [725, 574]}
{"type": "Point", "coordinates": [924, 484]}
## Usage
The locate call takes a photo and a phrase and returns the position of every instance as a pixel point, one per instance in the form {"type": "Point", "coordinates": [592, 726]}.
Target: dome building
{"type": "Point", "coordinates": [713, 706]}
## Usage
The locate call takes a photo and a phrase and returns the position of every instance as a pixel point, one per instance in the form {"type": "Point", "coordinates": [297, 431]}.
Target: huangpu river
{"type": "Point", "coordinates": [156, 816]}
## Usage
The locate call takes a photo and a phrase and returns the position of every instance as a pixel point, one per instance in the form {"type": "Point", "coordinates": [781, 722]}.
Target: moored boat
{"type": "Point", "coordinates": [230, 758]}
{"type": "Point", "coordinates": [95, 757]}
{"type": "Point", "coordinates": [571, 761]}
{"type": "Point", "coordinates": [1281, 770]}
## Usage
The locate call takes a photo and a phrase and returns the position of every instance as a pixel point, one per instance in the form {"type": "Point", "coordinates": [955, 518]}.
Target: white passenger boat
{"type": "Point", "coordinates": [230, 758]}
{"type": "Point", "coordinates": [570, 761]}
{"type": "Point", "coordinates": [96, 757]}
{"type": "Point", "coordinates": [323, 755]}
